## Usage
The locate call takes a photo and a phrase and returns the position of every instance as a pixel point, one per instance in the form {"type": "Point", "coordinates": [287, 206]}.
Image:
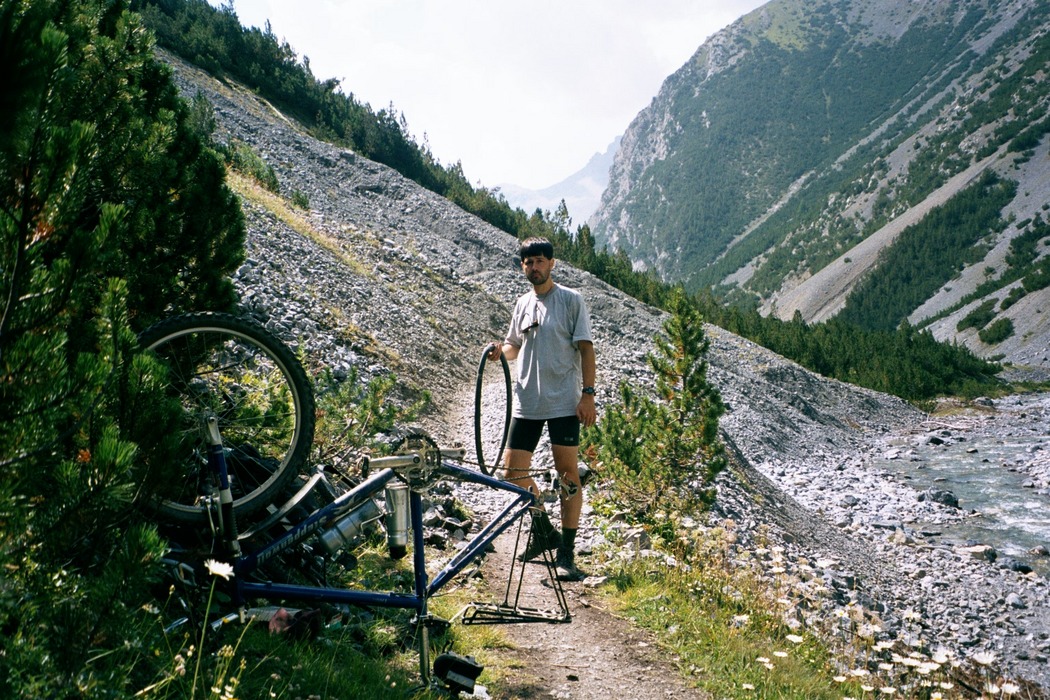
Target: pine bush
{"type": "Point", "coordinates": [660, 455]}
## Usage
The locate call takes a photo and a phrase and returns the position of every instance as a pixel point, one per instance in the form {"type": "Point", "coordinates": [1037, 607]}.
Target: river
{"type": "Point", "coordinates": [997, 464]}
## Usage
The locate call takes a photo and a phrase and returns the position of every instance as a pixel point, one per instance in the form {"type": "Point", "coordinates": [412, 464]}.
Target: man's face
{"type": "Point", "coordinates": [537, 269]}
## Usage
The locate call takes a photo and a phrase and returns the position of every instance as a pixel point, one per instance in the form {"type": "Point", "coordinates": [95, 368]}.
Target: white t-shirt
{"type": "Point", "coordinates": [547, 330]}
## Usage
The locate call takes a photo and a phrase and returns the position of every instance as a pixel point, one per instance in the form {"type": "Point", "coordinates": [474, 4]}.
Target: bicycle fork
{"type": "Point", "coordinates": [217, 464]}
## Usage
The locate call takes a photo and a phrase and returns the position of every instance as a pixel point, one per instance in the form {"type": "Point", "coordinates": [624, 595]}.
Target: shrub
{"type": "Point", "coordinates": [997, 332]}
{"type": "Point", "coordinates": [661, 455]}
{"type": "Point", "coordinates": [245, 160]}
{"type": "Point", "coordinates": [1039, 278]}
{"type": "Point", "coordinates": [115, 210]}
{"type": "Point", "coordinates": [978, 317]}
{"type": "Point", "coordinates": [1014, 295]}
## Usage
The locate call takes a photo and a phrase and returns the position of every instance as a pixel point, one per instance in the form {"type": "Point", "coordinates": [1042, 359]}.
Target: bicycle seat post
{"type": "Point", "coordinates": [217, 462]}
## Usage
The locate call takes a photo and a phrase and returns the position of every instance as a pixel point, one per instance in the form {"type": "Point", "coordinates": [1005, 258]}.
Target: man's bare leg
{"type": "Point", "coordinates": [518, 465]}
{"type": "Point", "coordinates": [566, 463]}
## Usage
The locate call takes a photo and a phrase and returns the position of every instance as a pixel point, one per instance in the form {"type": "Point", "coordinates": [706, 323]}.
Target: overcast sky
{"type": "Point", "coordinates": [519, 92]}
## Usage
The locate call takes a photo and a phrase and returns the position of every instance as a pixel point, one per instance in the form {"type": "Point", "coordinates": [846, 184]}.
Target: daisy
{"type": "Point", "coordinates": [219, 568]}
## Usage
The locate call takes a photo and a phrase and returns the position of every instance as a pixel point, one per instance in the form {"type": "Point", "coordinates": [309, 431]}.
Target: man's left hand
{"type": "Point", "coordinates": [586, 412]}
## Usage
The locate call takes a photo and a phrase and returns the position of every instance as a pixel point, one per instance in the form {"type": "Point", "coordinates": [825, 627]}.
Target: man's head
{"type": "Point", "coordinates": [535, 246]}
{"type": "Point", "coordinates": [537, 261]}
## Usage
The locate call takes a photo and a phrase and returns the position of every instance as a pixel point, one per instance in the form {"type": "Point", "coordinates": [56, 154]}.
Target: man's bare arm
{"type": "Point", "coordinates": [585, 409]}
{"type": "Point", "coordinates": [588, 363]}
{"type": "Point", "coordinates": [506, 349]}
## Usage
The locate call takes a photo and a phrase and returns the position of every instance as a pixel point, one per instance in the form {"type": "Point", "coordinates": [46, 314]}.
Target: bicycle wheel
{"type": "Point", "coordinates": [221, 365]}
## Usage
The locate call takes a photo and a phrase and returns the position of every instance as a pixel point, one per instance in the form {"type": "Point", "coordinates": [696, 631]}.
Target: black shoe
{"type": "Point", "coordinates": [565, 567]}
{"type": "Point", "coordinates": [538, 544]}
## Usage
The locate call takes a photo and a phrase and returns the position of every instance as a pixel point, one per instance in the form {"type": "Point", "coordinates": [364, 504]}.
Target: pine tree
{"type": "Point", "coordinates": [662, 454]}
{"type": "Point", "coordinates": [111, 210]}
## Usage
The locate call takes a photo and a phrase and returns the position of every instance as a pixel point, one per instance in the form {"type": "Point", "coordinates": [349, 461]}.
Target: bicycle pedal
{"type": "Point", "coordinates": [457, 671]}
{"type": "Point", "coordinates": [437, 624]}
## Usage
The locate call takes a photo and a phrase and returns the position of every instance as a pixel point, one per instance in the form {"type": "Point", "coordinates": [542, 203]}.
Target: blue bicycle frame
{"type": "Point", "coordinates": [409, 468]}
{"type": "Point", "coordinates": [423, 590]}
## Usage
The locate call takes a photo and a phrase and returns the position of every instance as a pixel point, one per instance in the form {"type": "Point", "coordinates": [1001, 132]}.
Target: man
{"type": "Point", "coordinates": [550, 337]}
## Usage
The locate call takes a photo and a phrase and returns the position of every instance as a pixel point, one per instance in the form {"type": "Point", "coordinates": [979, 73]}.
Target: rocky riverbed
{"type": "Point", "coordinates": [966, 596]}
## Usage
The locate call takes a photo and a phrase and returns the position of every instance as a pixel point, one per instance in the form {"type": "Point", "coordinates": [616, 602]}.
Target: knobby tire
{"type": "Point", "coordinates": [236, 369]}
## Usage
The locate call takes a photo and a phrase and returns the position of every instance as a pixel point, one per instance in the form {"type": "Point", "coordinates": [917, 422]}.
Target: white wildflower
{"type": "Point", "coordinates": [984, 658]}
{"type": "Point", "coordinates": [219, 568]}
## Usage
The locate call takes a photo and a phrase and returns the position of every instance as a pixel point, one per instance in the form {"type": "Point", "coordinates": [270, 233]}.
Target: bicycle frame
{"type": "Point", "coordinates": [423, 589]}
{"type": "Point", "coordinates": [406, 468]}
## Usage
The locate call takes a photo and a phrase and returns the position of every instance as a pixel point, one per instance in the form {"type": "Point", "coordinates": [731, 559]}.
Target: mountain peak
{"type": "Point", "coordinates": [581, 191]}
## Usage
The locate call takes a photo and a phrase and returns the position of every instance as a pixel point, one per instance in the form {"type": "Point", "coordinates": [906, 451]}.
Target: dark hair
{"type": "Point", "coordinates": [536, 246]}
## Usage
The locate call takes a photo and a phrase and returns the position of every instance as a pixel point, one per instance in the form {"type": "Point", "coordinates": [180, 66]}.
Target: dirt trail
{"type": "Point", "coordinates": [597, 654]}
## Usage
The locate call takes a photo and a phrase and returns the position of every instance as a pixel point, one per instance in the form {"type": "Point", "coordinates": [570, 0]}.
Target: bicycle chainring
{"type": "Point", "coordinates": [420, 476]}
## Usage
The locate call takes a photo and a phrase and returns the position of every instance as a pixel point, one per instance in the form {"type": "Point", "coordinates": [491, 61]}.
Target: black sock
{"type": "Point", "coordinates": [541, 522]}
{"type": "Point", "coordinates": [568, 539]}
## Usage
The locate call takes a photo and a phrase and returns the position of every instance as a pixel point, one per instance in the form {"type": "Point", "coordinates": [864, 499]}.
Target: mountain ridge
{"type": "Point", "coordinates": [580, 191]}
{"type": "Point", "coordinates": [730, 179]}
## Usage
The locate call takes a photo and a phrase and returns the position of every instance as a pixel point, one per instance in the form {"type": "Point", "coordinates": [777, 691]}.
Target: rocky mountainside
{"type": "Point", "coordinates": [383, 276]}
{"type": "Point", "coordinates": [800, 147]}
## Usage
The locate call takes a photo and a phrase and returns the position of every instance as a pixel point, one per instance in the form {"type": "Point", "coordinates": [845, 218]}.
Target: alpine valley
{"type": "Point", "coordinates": [879, 161]}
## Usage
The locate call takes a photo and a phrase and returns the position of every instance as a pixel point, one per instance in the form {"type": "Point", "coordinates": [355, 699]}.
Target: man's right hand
{"type": "Point", "coordinates": [495, 350]}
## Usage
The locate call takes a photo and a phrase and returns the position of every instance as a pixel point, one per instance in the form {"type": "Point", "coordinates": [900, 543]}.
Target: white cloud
{"type": "Point", "coordinates": [518, 92]}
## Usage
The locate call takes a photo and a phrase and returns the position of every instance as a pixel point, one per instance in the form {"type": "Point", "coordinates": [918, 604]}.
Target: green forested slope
{"type": "Point", "coordinates": [929, 254]}
{"type": "Point", "coordinates": [805, 128]}
{"type": "Point", "coordinates": [787, 108]}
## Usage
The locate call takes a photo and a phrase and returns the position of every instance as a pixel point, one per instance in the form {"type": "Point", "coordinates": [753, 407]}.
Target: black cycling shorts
{"type": "Point", "coordinates": [524, 433]}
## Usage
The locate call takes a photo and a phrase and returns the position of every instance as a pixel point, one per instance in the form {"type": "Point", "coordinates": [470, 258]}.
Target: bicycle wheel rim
{"type": "Point", "coordinates": [221, 365]}
{"type": "Point", "coordinates": [479, 448]}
